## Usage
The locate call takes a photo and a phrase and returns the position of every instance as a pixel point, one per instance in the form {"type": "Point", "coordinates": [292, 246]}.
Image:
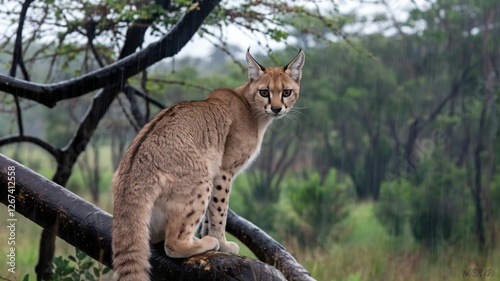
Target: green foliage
{"type": "Point", "coordinates": [277, 35]}
{"type": "Point", "coordinates": [307, 210]}
{"type": "Point", "coordinates": [495, 196]}
{"type": "Point", "coordinates": [261, 212]}
{"type": "Point", "coordinates": [314, 208]}
{"type": "Point", "coordinates": [76, 268]}
{"type": "Point", "coordinates": [433, 206]}
{"type": "Point", "coordinates": [392, 209]}
{"type": "Point", "coordinates": [354, 277]}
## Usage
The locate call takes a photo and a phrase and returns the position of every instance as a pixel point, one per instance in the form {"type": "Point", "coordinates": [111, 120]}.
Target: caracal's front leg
{"type": "Point", "coordinates": [215, 218]}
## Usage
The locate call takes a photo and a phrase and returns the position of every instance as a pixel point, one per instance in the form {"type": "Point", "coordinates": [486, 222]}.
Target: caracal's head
{"type": "Point", "coordinates": [274, 90]}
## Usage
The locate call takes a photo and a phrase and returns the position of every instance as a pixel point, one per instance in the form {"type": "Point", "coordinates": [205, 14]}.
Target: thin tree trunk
{"type": "Point", "coordinates": [484, 172]}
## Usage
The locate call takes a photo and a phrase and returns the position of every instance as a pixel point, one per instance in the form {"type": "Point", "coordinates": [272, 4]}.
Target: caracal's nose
{"type": "Point", "coordinates": [276, 109]}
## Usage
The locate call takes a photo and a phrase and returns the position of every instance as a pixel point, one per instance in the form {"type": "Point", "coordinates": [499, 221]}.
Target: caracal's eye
{"type": "Point", "coordinates": [286, 93]}
{"type": "Point", "coordinates": [264, 93]}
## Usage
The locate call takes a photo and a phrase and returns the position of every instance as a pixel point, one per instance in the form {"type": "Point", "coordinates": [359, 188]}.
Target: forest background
{"type": "Point", "coordinates": [387, 169]}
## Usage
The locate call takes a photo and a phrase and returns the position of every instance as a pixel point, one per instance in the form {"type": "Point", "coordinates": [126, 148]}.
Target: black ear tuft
{"type": "Point", "coordinates": [255, 69]}
{"type": "Point", "coordinates": [286, 66]}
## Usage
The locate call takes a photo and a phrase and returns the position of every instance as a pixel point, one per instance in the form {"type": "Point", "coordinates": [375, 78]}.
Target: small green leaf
{"type": "Point", "coordinates": [89, 276]}
{"type": "Point", "coordinates": [277, 34]}
{"type": "Point", "coordinates": [67, 270]}
{"type": "Point", "coordinates": [72, 258]}
{"type": "Point", "coordinates": [80, 255]}
{"type": "Point", "coordinates": [86, 265]}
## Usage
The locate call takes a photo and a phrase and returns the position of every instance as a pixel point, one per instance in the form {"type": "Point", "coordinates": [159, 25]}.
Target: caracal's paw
{"type": "Point", "coordinates": [229, 247]}
{"type": "Point", "coordinates": [209, 243]}
{"type": "Point", "coordinates": [181, 249]}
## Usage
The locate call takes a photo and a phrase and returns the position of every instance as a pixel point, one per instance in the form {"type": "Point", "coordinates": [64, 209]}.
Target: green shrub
{"type": "Point", "coordinates": [435, 205]}
{"type": "Point", "coordinates": [76, 268]}
{"type": "Point", "coordinates": [392, 209]}
{"type": "Point", "coordinates": [309, 210]}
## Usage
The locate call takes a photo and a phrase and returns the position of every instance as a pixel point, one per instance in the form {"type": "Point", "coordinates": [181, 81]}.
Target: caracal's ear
{"type": "Point", "coordinates": [255, 70]}
{"type": "Point", "coordinates": [294, 68]}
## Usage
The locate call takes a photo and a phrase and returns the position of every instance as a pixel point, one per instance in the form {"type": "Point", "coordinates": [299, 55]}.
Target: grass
{"type": "Point", "coordinates": [364, 229]}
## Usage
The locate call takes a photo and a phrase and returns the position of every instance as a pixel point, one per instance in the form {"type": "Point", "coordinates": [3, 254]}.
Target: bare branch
{"type": "Point", "coordinates": [455, 90]}
{"type": "Point", "coordinates": [19, 116]}
{"type": "Point", "coordinates": [34, 140]}
{"type": "Point", "coordinates": [149, 99]}
{"type": "Point", "coordinates": [127, 115]}
{"type": "Point", "coordinates": [419, 123]}
{"type": "Point", "coordinates": [96, 54]}
{"type": "Point", "coordinates": [222, 46]}
{"type": "Point", "coordinates": [395, 22]}
{"type": "Point", "coordinates": [182, 83]}
{"type": "Point", "coordinates": [140, 119]}
{"type": "Point", "coordinates": [144, 80]}
{"type": "Point", "coordinates": [17, 60]}
{"type": "Point", "coordinates": [266, 248]}
{"type": "Point", "coordinates": [36, 32]}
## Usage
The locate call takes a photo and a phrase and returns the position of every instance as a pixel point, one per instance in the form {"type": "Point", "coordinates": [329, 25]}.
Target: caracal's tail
{"type": "Point", "coordinates": [131, 238]}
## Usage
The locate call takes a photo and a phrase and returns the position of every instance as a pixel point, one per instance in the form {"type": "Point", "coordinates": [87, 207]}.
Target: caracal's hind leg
{"type": "Point", "coordinates": [185, 211]}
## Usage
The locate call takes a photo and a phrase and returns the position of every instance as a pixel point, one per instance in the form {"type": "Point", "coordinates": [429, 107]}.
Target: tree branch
{"type": "Point", "coordinates": [266, 248]}
{"type": "Point", "coordinates": [419, 123]}
{"type": "Point", "coordinates": [69, 154]}
{"type": "Point", "coordinates": [140, 119]}
{"type": "Point", "coordinates": [182, 83]}
{"type": "Point", "coordinates": [144, 96]}
{"type": "Point", "coordinates": [395, 22]}
{"type": "Point", "coordinates": [17, 59]}
{"type": "Point", "coordinates": [455, 90]}
{"type": "Point", "coordinates": [96, 54]}
{"type": "Point", "coordinates": [167, 46]}
{"type": "Point", "coordinates": [88, 228]}
{"type": "Point", "coordinates": [48, 147]}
